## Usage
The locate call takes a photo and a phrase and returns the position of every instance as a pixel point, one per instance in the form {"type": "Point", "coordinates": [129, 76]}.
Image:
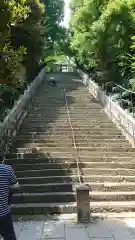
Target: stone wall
{"type": "Point", "coordinates": [122, 120]}
{"type": "Point", "coordinates": [12, 122]}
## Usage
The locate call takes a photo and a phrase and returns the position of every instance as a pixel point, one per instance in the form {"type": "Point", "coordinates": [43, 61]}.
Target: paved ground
{"type": "Point", "coordinates": [61, 228]}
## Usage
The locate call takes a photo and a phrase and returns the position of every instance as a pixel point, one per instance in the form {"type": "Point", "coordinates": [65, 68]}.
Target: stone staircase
{"type": "Point", "coordinates": [75, 142]}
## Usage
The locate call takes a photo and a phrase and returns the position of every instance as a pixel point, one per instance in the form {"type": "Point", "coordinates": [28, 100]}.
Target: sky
{"type": "Point", "coordinates": [67, 13]}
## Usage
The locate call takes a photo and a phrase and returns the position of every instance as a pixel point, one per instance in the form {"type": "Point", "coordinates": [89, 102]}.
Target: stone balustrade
{"type": "Point", "coordinates": [118, 115]}
{"type": "Point", "coordinates": [12, 122]}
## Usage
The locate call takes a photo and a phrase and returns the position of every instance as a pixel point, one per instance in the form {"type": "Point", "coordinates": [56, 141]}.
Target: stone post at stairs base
{"type": "Point", "coordinates": [83, 204]}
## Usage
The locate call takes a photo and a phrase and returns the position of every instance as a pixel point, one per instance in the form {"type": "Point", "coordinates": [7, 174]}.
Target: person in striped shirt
{"type": "Point", "coordinates": [8, 181]}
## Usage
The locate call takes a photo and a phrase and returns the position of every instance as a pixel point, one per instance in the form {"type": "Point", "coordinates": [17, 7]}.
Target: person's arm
{"type": "Point", "coordinates": [13, 183]}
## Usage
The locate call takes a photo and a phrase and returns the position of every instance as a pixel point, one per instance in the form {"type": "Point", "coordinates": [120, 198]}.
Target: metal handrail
{"type": "Point", "coordinates": [73, 135]}
{"type": "Point", "coordinates": [127, 90]}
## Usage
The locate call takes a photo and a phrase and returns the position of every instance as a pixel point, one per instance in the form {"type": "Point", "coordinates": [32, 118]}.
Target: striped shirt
{"type": "Point", "coordinates": [7, 178]}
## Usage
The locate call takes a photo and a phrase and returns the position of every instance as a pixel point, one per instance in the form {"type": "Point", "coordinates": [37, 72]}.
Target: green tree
{"type": "Point", "coordinates": [102, 33]}
{"type": "Point", "coordinates": [31, 35]}
{"type": "Point", "coordinates": [29, 31]}
{"type": "Point", "coordinates": [53, 16]}
{"type": "Point", "coordinates": [12, 13]}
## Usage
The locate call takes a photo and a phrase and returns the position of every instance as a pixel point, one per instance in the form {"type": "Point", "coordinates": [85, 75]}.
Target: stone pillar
{"type": "Point", "coordinates": [83, 204]}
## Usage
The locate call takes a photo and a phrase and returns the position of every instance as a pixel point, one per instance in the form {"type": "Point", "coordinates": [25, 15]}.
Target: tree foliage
{"type": "Point", "coordinates": [54, 14]}
{"type": "Point", "coordinates": [102, 32]}
{"type": "Point", "coordinates": [11, 70]}
{"type": "Point", "coordinates": [28, 31]}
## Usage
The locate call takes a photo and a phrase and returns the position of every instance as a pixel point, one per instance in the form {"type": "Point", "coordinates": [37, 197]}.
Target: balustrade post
{"type": "Point", "coordinates": [132, 105]}
{"type": "Point", "coordinates": [83, 204]}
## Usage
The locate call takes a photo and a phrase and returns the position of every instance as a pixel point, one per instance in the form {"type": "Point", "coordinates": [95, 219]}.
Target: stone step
{"type": "Point", "coordinates": [90, 160]}
{"type": "Point", "coordinates": [44, 133]}
{"type": "Point", "coordinates": [32, 160]}
{"type": "Point", "coordinates": [20, 144]}
{"type": "Point", "coordinates": [45, 118]}
{"type": "Point", "coordinates": [51, 112]}
{"type": "Point", "coordinates": [51, 165]}
{"type": "Point", "coordinates": [93, 156]}
{"type": "Point", "coordinates": [48, 123]}
{"type": "Point", "coordinates": [39, 119]}
{"type": "Point", "coordinates": [79, 115]}
{"type": "Point", "coordinates": [108, 165]}
{"type": "Point", "coordinates": [78, 124]}
{"type": "Point", "coordinates": [45, 149]}
{"type": "Point", "coordinates": [81, 142]}
{"type": "Point", "coordinates": [85, 153]}
{"type": "Point", "coordinates": [42, 208]}
{"type": "Point", "coordinates": [110, 206]}
{"type": "Point", "coordinates": [94, 130]}
{"type": "Point", "coordinates": [90, 113]}
{"type": "Point", "coordinates": [44, 197]}
{"type": "Point", "coordinates": [48, 155]}
{"type": "Point", "coordinates": [46, 138]}
{"type": "Point", "coordinates": [107, 149]}
{"type": "Point", "coordinates": [107, 178]}
{"type": "Point", "coordinates": [103, 141]}
{"type": "Point", "coordinates": [48, 187]}
{"type": "Point", "coordinates": [63, 111]}
{"type": "Point", "coordinates": [52, 197]}
{"type": "Point", "coordinates": [71, 187]}
{"type": "Point", "coordinates": [42, 145]}
{"type": "Point", "coordinates": [112, 196]}
{"type": "Point", "coordinates": [71, 144]}
{"type": "Point", "coordinates": [79, 106]}
{"type": "Point", "coordinates": [99, 136]}
{"type": "Point", "coordinates": [59, 208]}
{"type": "Point", "coordinates": [46, 129]}
{"type": "Point", "coordinates": [69, 165]}
{"type": "Point", "coordinates": [66, 127]}
{"type": "Point", "coordinates": [111, 186]}
{"type": "Point", "coordinates": [52, 138]}
{"type": "Point", "coordinates": [75, 125]}
{"type": "Point", "coordinates": [68, 135]}
{"type": "Point", "coordinates": [89, 130]}
{"type": "Point", "coordinates": [100, 144]}
{"type": "Point", "coordinates": [72, 154]}
{"type": "Point", "coordinates": [107, 159]}
{"type": "Point", "coordinates": [69, 172]}
{"type": "Point", "coordinates": [49, 100]}
{"type": "Point", "coordinates": [74, 109]}
{"type": "Point", "coordinates": [82, 106]}
{"type": "Point", "coordinates": [48, 179]}
{"type": "Point", "coordinates": [47, 173]}
{"type": "Point", "coordinates": [110, 149]}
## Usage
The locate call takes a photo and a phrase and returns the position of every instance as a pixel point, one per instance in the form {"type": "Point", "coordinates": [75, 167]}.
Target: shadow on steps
{"type": "Point", "coordinates": [42, 185]}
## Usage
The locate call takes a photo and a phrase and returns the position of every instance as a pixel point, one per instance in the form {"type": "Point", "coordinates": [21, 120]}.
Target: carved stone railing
{"type": "Point", "coordinates": [124, 121]}
{"type": "Point", "coordinates": [12, 122]}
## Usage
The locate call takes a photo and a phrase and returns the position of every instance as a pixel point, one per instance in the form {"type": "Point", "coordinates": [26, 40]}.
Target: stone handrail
{"type": "Point", "coordinates": [124, 121]}
{"type": "Point", "coordinates": [12, 122]}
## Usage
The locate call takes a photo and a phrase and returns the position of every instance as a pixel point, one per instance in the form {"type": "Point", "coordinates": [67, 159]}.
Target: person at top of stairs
{"type": "Point", "coordinates": [52, 81]}
{"type": "Point", "coordinates": [8, 181]}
